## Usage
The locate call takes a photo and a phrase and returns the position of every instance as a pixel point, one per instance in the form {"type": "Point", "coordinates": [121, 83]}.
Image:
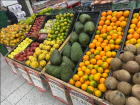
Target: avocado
{"type": "Point", "coordinates": [76, 52]}
{"type": "Point", "coordinates": [69, 62]}
{"type": "Point", "coordinates": [89, 27]}
{"type": "Point", "coordinates": [79, 27]}
{"type": "Point", "coordinates": [67, 50]}
{"type": "Point", "coordinates": [56, 58]}
{"type": "Point", "coordinates": [53, 70]}
{"type": "Point", "coordinates": [84, 18]}
{"type": "Point", "coordinates": [74, 37]}
{"type": "Point", "coordinates": [84, 39]}
{"type": "Point", "coordinates": [66, 72]}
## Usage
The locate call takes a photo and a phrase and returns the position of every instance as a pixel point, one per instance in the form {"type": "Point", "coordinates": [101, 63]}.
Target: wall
{"type": "Point", "coordinates": [8, 2]}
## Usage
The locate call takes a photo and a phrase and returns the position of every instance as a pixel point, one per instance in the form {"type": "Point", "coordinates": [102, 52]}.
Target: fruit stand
{"type": "Point", "coordinates": [82, 56]}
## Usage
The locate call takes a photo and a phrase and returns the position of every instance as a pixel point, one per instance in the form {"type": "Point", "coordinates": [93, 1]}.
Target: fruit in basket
{"type": "Point", "coordinates": [132, 101]}
{"type": "Point", "coordinates": [79, 27]}
{"type": "Point", "coordinates": [65, 72]}
{"type": "Point", "coordinates": [84, 39]}
{"type": "Point", "coordinates": [74, 37]}
{"type": "Point", "coordinates": [28, 62]}
{"type": "Point", "coordinates": [136, 91]}
{"type": "Point", "coordinates": [84, 18]}
{"type": "Point", "coordinates": [76, 52]}
{"type": "Point", "coordinates": [116, 64]}
{"type": "Point", "coordinates": [34, 64]}
{"type": "Point", "coordinates": [137, 59]}
{"type": "Point", "coordinates": [130, 48]}
{"type": "Point", "coordinates": [67, 50]}
{"type": "Point", "coordinates": [53, 70]}
{"type": "Point", "coordinates": [128, 56]}
{"type": "Point", "coordinates": [42, 63]}
{"type": "Point", "coordinates": [41, 57]}
{"type": "Point", "coordinates": [107, 94]}
{"type": "Point", "coordinates": [89, 27]}
{"type": "Point", "coordinates": [136, 78]}
{"type": "Point", "coordinates": [56, 58]}
{"type": "Point", "coordinates": [138, 50]}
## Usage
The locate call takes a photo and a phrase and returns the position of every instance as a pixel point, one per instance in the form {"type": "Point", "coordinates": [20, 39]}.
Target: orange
{"type": "Point", "coordinates": [83, 68]}
{"type": "Point", "coordinates": [93, 71]}
{"type": "Point", "coordinates": [98, 44]}
{"type": "Point", "coordinates": [96, 67]}
{"type": "Point", "coordinates": [134, 21]}
{"type": "Point", "coordinates": [114, 19]}
{"type": "Point", "coordinates": [85, 77]}
{"type": "Point", "coordinates": [101, 23]}
{"type": "Point", "coordinates": [105, 41]}
{"type": "Point", "coordinates": [90, 66]}
{"type": "Point", "coordinates": [78, 84]}
{"type": "Point", "coordinates": [99, 27]}
{"type": "Point", "coordinates": [91, 45]}
{"type": "Point", "coordinates": [137, 45]}
{"type": "Point", "coordinates": [114, 27]}
{"type": "Point", "coordinates": [92, 50]}
{"type": "Point", "coordinates": [92, 55]}
{"type": "Point", "coordinates": [96, 52]}
{"type": "Point", "coordinates": [76, 77]}
{"type": "Point", "coordinates": [93, 61]}
{"type": "Point", "coordinates": [112, 24]}
{"type": "Point", "coordinates": [103, 13]}
{"type": "Point", "coordinates": [99, 62]}
{"type": "Point", "coordinates": [122, 18]}
{"type": "Point", "coordinates": [103, 30]}
{"type": "Point", "coordinates": [100, 40]}
{"type": "Point", "coordinates": [93, 83]}
{"type": "Point", "coordinates": [133, 41]}
{"type": "Point", "coordinates": [87, 82]}
{"type": "Point", "coordinates": [133, 26]}
{"type": "Point", "coordinates": [119, 33]}
{"type": "Point", "coordinates": [131, 31]}
{"type": "Point", "coordinates": [81, 64]}
{"type": "Point", "coordinates": [82, 80]}
{"type": "Point", "coordinates": [105, 26]}
{"type": "Point", "coordinates": [123, 24]}
{"type": "Point", "coordinates": [118, 41]}
{"type": "Point", "coordinates": [112, 46]}
{"type": "Point", "coordinates": [117, 47]}
{"type": "Point", "coordinates": [129, 36]}
{"type": "Point", "coordinates": [104, 75]}
{"type": "Point", "coordinates": [99, 74]}
{"type": "Point", "coordinates": [97, 37]}
{"type": "Point", "coordinates": [126, 13]}
{"type": "Point", "coordinates": [111, 41]}
{"type": "Point", "coordinates": [102, 80]}
{"type": "Point", "coordinates": [109, 28]}
{"type": "Point", "coordinates": [96, 77]}
{"type": "Point", "coordinates": [102, 53]}
{"type": "Point", "coordinates": [126, 19]}
{"type": "Point", "coordinates": [87, 71]}
{"type": "Point", "coordinates": [138, 24]}
{"type": "Point", "coordinates": [87, 63]}
{"type": "Point", "coordinates": [85, 57]}
{"type": "Point", "coordinates": [109, 60]}
{"type": "Point", "coordinates": [84, 86]}
{"type": "Point", "coordinates": [99, 48]}
{"type": "Point", "coordinates": [103, 18]}
{"type": "Point", "coordinates": [107, 71]}
{"type": "Point", "coordinates": [103, 45]}
{"type": "Point", "coordinates": [72, 82]}
{"type": "Point", "coordinates": [138, 41]}
{"type": "Point", "coordinates": [98, 93]}
{"type": "Point", "coordinates": [108, 54]}
{"type": "Point", "coordinates": [118, 14]}
{"type": "Point", "coordinates": [97, 57]}
{"type": "Point", "coordinates": [136, 35]}
{"type": "Point", "coordinates": [113, 54]}
{"type": "Point", "coordinates": [138, 31]}
{"type": "Point", "coordinates": [119, 29]}
{"type": "Point", "coordinates": [105, 65]}
{"type": "Point", "coordinates": [135, 15]}
{"type": "Point", "coordinates": [107, 22]}
{"type": "Point", "coordinates": [90, 89]}
{"type": "Point", "coordinates": [139, 18]}
{"type": "Point", "coordinates": [109, 12]}
{"type": "Point", "coordinates": [109, 17]}
{"type": "Point", "coordinates": [79, 69]}
{"type": "Point", "coordinates": [88, 53]}
{"type": "Point", "coordinates": [107, 48]}
{"type": "Point", "coordinates": [117, 23]}
{"type": "Point", "coordinates": [100, 70]}
{"type": "Point", "coordinates": [80, 73]}
{"type": "Point", "coordinates": [102, 87]}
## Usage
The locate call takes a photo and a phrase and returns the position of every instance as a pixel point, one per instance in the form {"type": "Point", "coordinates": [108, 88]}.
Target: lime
{"type": "Point", "coordinates": [51, 36]}
{"type": "Point", "coordinates": [67, 27]}
{"type": "Point", "coordinates": [65, 23]}
{"type": "Point", "coordinates": [58, 26]}
{"type": "Point", "coordinates": [62, 18]}
{"type": "Point", "coordinates": [57, 23]}
{"type": "Point", "coordinates": [65, 15]}
{"type": "Point", "coordinates": [56, 32]}
{"type": "Point", "coordinates": [62, 24]}
{"type": "Point", "coordinates": [60, 15]}
{"type": "Point", "coordinates": [55, 29]}
{"type": "Point", "coordinates": [71, 15]}
{"type": "Point", "coordinates": [58, 29]}
{"type": "Point", "coordinates": [63, 34]}
{"type": "Point", "coordinates": [93, 83]}
{"type": "Point", "coordinates": [59, 35]}
{"type": "Point", "coordinates": [98, 32]}
{"type": "Point", "coordinates": [52, 32]}
{"type": "Point", "coordinates": [65, 20]}
{"type": "Point", "coordinates": [62, 40]}
{"type": "Point", "coordinates": [68, 14]}
{"type": "Point", "coordinates": [64, 28]}
{"type": "Point", "coordinates": [57, 38]}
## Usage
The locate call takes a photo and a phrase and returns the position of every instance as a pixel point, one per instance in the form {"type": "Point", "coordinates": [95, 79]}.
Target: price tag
{"type": "Point", "coordinates": [78, 98]}
{"type": "Point", "coordinates": [8, 48]}
{"type": "Point", "coordinates": [103, 103]}
{"type": "Point", "coordinates": [57, 91]}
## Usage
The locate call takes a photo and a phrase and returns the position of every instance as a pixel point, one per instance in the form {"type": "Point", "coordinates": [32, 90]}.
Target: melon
{"type": "Point", "coordinates": [132, 67]}
{"type": "Point", "coordinates": [123, 75]}
{"type": "Point", "coordinates": [120, 57]}
{"type": "Point", "coordinates": [116, 63]}
{"type": "Point", "coordinates": [128, 56]}
{"type": "Point", "coordinates": [132, 101]}
{"type": "Point", "coordinates": [136, 91]}
{"type": "Point", "coordinates": [111, 83]}
{"type": "Point", "coordinates": [117, 98]}
{"type": "Point", "coordinates": [137, 59]}
{"type": "Point", "coordinates": [130, 48]}
{"type": "Point", "coordinates": [138, 50]}
{"type": "Point", "coordinates": [107, 94]}
{"type": "Point", "coordinates": [115, 74]}
{"type": "Point", "coordinates": [136, 78]}
{"type": "Point", "coordinates": [126, 90]}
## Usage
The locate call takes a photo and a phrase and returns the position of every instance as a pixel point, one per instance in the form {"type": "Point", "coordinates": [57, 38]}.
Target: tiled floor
{"type": "Point", "coordinates": [16, 91]}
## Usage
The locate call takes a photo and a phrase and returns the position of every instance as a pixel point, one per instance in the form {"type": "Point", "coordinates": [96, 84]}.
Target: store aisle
{"type": "Point", "coordinates": [16, 91]}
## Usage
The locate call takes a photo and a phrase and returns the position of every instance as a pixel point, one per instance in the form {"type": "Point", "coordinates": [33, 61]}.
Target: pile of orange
{"type": "Point", "coordinates": [134, 32]}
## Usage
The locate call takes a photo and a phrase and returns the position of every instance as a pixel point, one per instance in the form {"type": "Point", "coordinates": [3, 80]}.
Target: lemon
{"type": "Point", "coordinates": [31, 57]}
{"type": "Point", "coordinates": [41, 57]}
{"type": "Point", "coordinates": [45, 52]}
{"type": "Point", "coordinates": [47, 57]}
{"type": "Point", "coordinates": [35, 55]}
{"type": "Point", "coordinates": [48, 42]}
{"type": "Point", "coordinates": [28, 62]}
{"type": "Point", "coordinates": [37, 49]}
{"type": "Point", "coordinates": [41, 45]}
{"type": "Point", "coordinates": [42, 63]}
{"type": "Point", "coordinates": [48, 47]}
{"type": "Point", "coordinates": [56, 46]}
{"type": "Point", "coordinates": [34, 64]}
{"type": "Point", "coordinates": [38, 52]}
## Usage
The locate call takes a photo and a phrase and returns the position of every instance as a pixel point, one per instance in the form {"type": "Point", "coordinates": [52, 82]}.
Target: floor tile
{"type": "Point", "coordinates": [6, 102]}
{"type": "Point", "coordinates": [20, 93]}
{"type": "Point", "coordinates": [2, 98]}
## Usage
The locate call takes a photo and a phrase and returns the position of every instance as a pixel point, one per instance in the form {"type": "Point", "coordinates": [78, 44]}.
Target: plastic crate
{"type": "Point", "coordinates": [106, 6]}
{"type": "Point", "coordinates": [131, 5]}
{"type": "Point", "coordinates": [55, 12]}
{"type": "Point", "coordinates": [66, 10]}
{"type": "Point", "coordinates": [81, 9]}
{"type": "Point", "coordinates": [138, 4]}
{"type": "Point", "coordinates": [3, 49]}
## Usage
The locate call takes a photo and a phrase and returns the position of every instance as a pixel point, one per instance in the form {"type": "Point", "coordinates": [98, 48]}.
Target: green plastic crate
{"type": "Point", "coordinates": [66, 10]}
{"type": "Point", "coordinates": [131, 5]}
{"type": "Point", "coordinates": [138, 4]}
{"type": "Point", "coordinates": [3, 53]}
{"type": "Point", "coordinates": [3, 49]}
{"type": "Point", "coordinates": [55, 12]}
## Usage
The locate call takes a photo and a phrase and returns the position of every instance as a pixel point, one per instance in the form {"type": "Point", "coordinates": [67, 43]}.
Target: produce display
{"type": "Point", "coordinates": [20, 47]}
{"type": "Point", "coordinates": [83, 29]}
{"type": "Point", "coordinates": [24, 55]}
{"type": "Point", "coordinates": [61, 27]}
{"type": "Point", "coordinates": [42, 54]}
{"type": "Point", "coordinates": [48, 26]}
{"type": "Point", "coordinates": [45, 11]}
{"type": "Point", "coordinates": [13, 34]}
{"type": "Point", "coordinates": [36, 26]}
{"type": "Point", "coordinates": [124, 86]}
{"type": "Point", "coordinates": [133, 36]}
{"type": "Point", "coordinates": [62, 66]}
{"type": "Point", "coordinates": [111, 29]}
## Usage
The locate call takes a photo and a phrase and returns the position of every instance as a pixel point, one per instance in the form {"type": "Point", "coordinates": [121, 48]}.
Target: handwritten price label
{"type": "Point", "coordinates": [57, 91]}
{"type": "Point", "coordinates": [78, 101]}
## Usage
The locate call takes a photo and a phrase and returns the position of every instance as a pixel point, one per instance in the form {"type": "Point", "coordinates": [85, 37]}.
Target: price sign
{"type": "Point", "coordinates": [36, 80]}
{"type": "Point", "coordinates": [57, 89]}
{"type": "Point", "coordinates": [23, 73]}
{"type": "Point", "coordinates": [12, 66]}
{"type": "Point", "coordinates": [78, 98]}
{"type": "Point", "coordinates": [8, 48]}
